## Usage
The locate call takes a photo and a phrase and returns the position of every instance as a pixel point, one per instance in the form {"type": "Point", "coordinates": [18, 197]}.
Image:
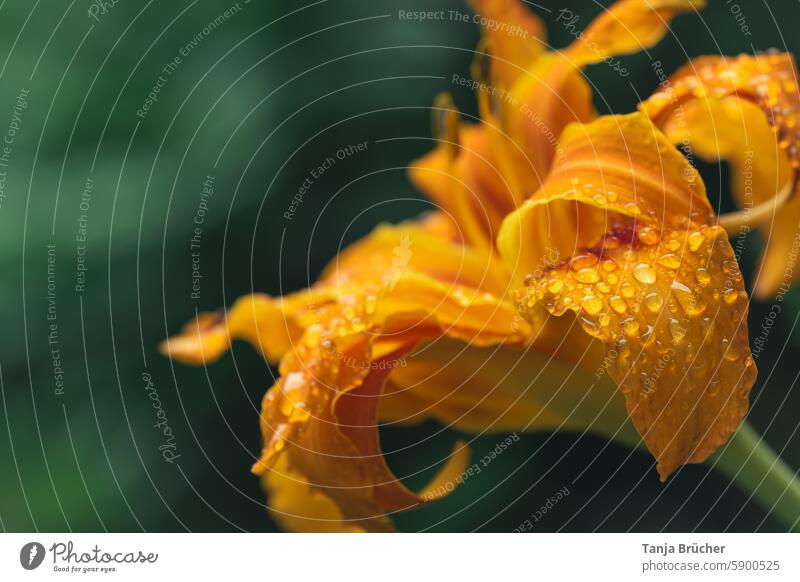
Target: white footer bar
{"type": "Point", "coordinates": [352, 558]}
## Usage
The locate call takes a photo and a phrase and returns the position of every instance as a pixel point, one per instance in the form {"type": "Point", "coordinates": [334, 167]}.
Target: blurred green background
{"type": "Point", "coordinates": [257, 102]}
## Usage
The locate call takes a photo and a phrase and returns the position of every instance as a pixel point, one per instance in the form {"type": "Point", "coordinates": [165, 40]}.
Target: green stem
{"type": "Point", "coordinates": [750, 462]}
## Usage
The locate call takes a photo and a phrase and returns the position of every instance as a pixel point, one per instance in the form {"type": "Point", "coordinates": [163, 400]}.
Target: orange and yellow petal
{"type": "Point", "coordinates": [270, 324]}
{"type": "Point", "coordinates": [673, 318]}
{"type": "Point", "coordinates": [319, 424]}
{"type": "Point", "coordinates": [627, 27]}
{"type": "Point", "coordinates": [320, 419]}
{"type": "Point", "coordinates": [552, 385]}
{"type": "Point", "coordinates": [553, 93]}
{"type": "Point", "coordinates": [615, 167]}
{"type": "Point", "coordinates": [426, 249]}
{"type": "Point", "coordinates": [515, 37]}
{"type": "Point", "coordinates": [464, 176]}
{"type": "Point", "coordinates": [744, 110]}
{"type": "Point", "coordinates": [660, 288]}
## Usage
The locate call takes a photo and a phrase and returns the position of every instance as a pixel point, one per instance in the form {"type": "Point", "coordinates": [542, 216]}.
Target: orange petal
{"type": "Point", "coordinates": [613, 168]}
{"type": "Point", "coordinates": [730, 108]}
{"type": "Point", "coordinates": [628, 27]}
{"type": "Point", "coordinates": [413, 247]}
{"type": "Point", "coordinates": [462, 176]}
{"type": "Point", "coordinates": [515, 37]}
{"type": "Point", "coordinates": [553, 93]}
{"type": "Point", "coordinates": [322, 412]}
{"type": "Point", "coordinates": [556, 384]}
{"type": "Point", "coordinates": [549, 96]}
{"type": "Point", "coordinates": [270, 325]}
{"type": "Point", "coordinates": [319, 427]}
{"type": "Point", "coordinates": [673, 316]}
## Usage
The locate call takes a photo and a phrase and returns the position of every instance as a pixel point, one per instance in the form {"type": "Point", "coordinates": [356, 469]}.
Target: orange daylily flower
{"type": "Point", "coordinates": [574, 277]}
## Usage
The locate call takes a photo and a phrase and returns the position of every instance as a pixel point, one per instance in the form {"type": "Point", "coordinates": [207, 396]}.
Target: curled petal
{"type": "Point", "coordinates": [660, 288]}
{"type": "Point", "coordinates": [273, 325]}
{"type": "Point", "coordinates": [615, 167]}
{"type": "Point", "coordinates": [322, 412]}
{"type": "Point", "coordinates": [426, 248]}
{"type": "Point", "coordinates": [729, 108]}
{"type": "Point", "coordinates": [553, 93]}
{"type": "Point", "coordinates": [628, 27]}
{"type": "Point", "coordinates": [322, 457]}
{"type": "Point", "coordinates": [270, 325]}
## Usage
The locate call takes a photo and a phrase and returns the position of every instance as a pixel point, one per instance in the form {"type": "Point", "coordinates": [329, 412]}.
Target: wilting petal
{"type": "Point", "coordinates": [514, 35]}
{"type": "Point", "coordinates": [744, 110]}
{"type": "Point", "coordinates": [628, 27]}
{"type": "Point", "coordinates": [617, 166]}
{"type": "Point", "coordinates": [558, 384]}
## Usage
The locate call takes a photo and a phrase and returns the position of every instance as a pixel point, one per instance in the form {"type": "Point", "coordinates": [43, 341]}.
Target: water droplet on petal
{"type": "Point", "coordinates": [593, 305]}
{"type": "Point", "coordinates": [696, 239]}
{"type": "Point", "coordinates": [644, 273]}
{"type": "Point", "coordinates": [654, 302]}
{"type": "Point", "coordinates": [677, 329]}
{"type": "Point", "coordinates": [580, 262]}
{"type": "Point", "coordinates": [588, 276]}
{"type": "Point", "coordinates": [703, 277]}
{"type": "Point", "coordinates": [670, 261]}
{"type": "Point", "coordinates": [648, 236]}
{"type": "Point", "coordinates": [693, 305]}
{"type": "Point", "coordinates": [618, 304]}
{"type": "Point", "coordinates": [631, 326]}
{"type": "Point", "coordinates": [730, 296]}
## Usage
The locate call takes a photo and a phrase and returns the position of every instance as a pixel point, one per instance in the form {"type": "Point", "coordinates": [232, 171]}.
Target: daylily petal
{"type": "Point", "coordinates": [515, 36]}
{"type": "Point", "coordinates": [613, 167]}
{"type": "Point", "coordinates": [297, 506]}
{"type": "Point", "coordinates": [660, 289]}
{"type": "Point", "coordinates": [414, 247]}
{"type": "Point", "coordinates": [729, 108]}
{"type": "Point", "coordinates": [558, 384]}
{"type": "Point", "coordinates": [628, 27]}
{"type": "Point", "coordinates": [319, 426]}
{"type": "Point", "coordinates": [273, 325]}
{"type": "Point", "coordinates": [322, 412]}
{"type": "Point", "coordinates": [462, 176]}
{"type": "Point", "coordinates": [674, 316]}
{"type": "Point", "coordinates": [396, 288]}
{"type": "Point", "coordinates": [553, 92]}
